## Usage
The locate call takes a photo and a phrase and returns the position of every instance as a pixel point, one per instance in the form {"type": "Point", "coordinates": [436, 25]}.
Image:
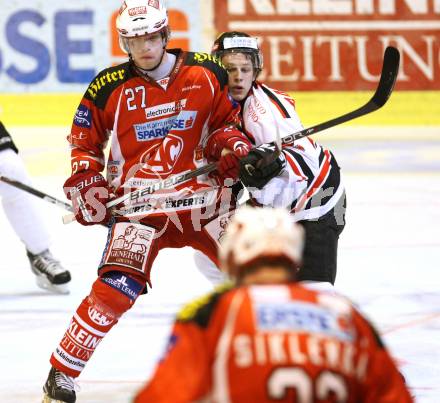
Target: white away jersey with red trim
{"type": "Point", "coordinates": [311, 184]}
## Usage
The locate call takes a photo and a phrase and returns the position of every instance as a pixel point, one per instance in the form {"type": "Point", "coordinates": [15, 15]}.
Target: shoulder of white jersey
{"type": "Point", "coordinates": [105, 82]}
{"type": "Point", "coordinates": [283, 102]}
{"type": "Point", "coordinates": [210, 63]}
{"type": "Point", "coordinates": [200, 310]}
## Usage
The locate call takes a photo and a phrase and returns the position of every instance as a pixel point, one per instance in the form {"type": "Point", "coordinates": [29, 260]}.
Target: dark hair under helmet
{"type": "Point", "coordinates": [238, 42]}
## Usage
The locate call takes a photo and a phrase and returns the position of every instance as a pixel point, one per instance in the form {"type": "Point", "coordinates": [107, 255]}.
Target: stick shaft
{"type": "Point", "coordinates": [383, 91]}
{"type": "Point", "coordinates": [36, 192]}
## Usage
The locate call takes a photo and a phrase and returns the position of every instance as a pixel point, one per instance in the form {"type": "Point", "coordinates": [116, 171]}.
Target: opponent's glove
{"type": "Point", "coordinates": [89, 193]}
{"type": "Point", "coordinates": [261, 165]}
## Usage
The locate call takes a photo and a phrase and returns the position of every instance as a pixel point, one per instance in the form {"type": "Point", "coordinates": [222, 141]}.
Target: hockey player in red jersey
{"type": "Point", "coordinates": [163, 112]}
{"type": "Point", "coordinates": [305, 178]}
{"type": "Point", "coordinates": [268, 338]}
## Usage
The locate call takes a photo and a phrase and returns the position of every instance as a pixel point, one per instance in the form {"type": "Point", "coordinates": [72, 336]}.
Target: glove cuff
{"type": "Point", "coordinates": [83, 180]}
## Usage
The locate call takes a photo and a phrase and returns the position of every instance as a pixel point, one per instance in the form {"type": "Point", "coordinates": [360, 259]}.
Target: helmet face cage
{"type": "Point", "coordinates": [238, 42]}
{"type": "Point", "coordinates": [139, 18]}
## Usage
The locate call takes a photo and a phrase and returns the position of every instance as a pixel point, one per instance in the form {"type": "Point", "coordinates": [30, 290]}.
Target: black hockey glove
{"type": "Point", "coordinates": [261, 165]}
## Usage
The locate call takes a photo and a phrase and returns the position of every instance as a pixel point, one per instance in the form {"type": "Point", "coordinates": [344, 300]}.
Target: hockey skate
{"type": "Point", "coordinates": [50, 274]}
{"type": "Point", "coordinates": [59, 388]}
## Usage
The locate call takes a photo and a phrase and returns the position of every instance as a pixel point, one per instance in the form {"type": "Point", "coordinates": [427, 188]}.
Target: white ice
{"type": "Point", "coordinates": [388, 264]}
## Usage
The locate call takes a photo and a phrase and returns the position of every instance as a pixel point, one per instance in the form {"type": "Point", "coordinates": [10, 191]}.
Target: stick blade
{"type": "Point", "coordinates": [388, 77]}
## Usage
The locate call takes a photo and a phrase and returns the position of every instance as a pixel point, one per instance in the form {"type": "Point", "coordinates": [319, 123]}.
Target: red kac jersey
{"type": "Point", "coordinates": [282, 343]}
{"type": "Point", "coordinates": [155, 128]}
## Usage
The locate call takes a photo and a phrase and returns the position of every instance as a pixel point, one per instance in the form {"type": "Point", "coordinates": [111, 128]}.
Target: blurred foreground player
{"type": "Point", "coordinates": [21, 210]}
{"type": "Point", "coordinates": [269, 339]}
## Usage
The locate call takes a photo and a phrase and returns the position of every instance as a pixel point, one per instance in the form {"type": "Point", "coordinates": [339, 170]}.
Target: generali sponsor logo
{"type": "Point", "coordinates": [339, 45]}
{"type": "Point", "coordinates": [130, 247]}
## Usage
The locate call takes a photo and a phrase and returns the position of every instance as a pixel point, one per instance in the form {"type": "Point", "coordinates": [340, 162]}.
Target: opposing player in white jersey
{"type": "Point", "coordinates": [22, 213]}
{"type": "Point", "coordinates": [304, 178]}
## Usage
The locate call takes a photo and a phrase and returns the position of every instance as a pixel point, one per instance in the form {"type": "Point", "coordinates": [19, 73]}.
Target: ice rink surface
{"type": "Point", "coordinates": [389, 263]}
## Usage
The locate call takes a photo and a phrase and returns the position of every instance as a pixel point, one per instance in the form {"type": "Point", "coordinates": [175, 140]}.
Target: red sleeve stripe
{"type": "Point", "coordinates": [274, 99]}
{"type": "Point", "coordinates": [315, 186]}
{"type": "Point", "coordinates": [295, 167]}
{"type": "Point", "coordinates": [311, 142]}
{"type": "Point", "coordinates": [282, 112]}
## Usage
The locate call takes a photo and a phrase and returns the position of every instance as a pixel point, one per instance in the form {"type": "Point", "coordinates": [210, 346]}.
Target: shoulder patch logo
{"type": "Point", "coordinates": [83, 117]}
{"type": "Point", "coordinates": [104, 79]}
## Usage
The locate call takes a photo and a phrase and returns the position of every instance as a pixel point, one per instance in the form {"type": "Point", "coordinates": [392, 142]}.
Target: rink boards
{"type": "Point", "coordinates": [413, 108]}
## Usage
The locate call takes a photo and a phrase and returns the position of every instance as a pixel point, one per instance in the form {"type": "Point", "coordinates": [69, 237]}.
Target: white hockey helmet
{"type": "Point", "coordinates": [259, 234]}
{"type": "Point", "coordinates": [141, 17]}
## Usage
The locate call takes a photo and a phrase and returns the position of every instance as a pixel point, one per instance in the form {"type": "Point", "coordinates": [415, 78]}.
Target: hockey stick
{"type": "Point", "coordinates": [167, 183]}
{"type": "Point", "coordinates": [35, 192]}
{"type": "Point", "coordinates": [28, 189]}
{"type": "Point", "coordinates": [383, 91]}
{"type": "Point", "coordinates": [388, 76]}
